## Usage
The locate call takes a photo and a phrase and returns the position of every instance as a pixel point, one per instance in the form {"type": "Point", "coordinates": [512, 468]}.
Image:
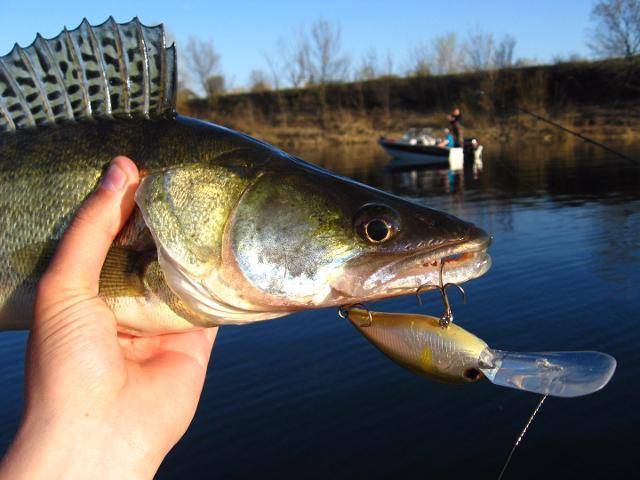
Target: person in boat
{"type": "Point", "coordinates": [455, 122]}
{"type": "Point", "coordinates": [448, 141]}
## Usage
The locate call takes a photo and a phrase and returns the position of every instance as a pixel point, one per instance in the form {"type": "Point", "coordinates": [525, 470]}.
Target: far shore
{"type": "Point", "coordinates": [600, 99]}
{"type": "Point", "coordinates": [617, 125]}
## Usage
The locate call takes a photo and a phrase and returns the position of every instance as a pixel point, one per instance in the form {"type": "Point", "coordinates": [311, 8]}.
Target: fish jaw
{"type": "Point", "coordinates": [374, 279]}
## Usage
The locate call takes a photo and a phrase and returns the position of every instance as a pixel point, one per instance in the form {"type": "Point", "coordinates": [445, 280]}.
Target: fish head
{"type": "Point", "coordinates": [402, 245]}
{"type": "Point", "coordinates": [305, 239]}
{"type": "Point", "coordinates": [243, 245]}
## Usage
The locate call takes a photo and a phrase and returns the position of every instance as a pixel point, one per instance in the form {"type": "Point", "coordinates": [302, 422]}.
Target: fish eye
{"type": "Point", "coordinates": [376, 223]}
{"type": "Point", "coordinates": [377, 230]}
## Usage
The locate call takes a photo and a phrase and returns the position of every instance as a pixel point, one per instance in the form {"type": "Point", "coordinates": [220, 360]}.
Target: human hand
{"type": "Point", "coordinates": [99, 403]}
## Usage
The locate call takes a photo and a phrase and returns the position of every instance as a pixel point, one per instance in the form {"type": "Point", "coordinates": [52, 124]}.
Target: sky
{"type": "Point", "coordinates": [243, 31]}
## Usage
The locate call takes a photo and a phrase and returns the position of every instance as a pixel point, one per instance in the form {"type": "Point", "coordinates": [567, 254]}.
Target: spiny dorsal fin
{"type": "Point", "coordinates": [109, 70]}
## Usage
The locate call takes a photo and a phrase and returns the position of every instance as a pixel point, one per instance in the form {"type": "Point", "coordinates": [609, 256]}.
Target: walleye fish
{"type": "Point", "coordinates": [453, 355]}
{"type": "Point", "coordinates": [227, 230]}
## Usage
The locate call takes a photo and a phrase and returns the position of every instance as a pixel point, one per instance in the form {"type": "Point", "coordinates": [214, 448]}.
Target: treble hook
{"type": "Point", "coordinates": [447, 316]}
{"type": "Point", "coordinates": [426, 287]}
{"type": "Point", "coordinates": [343, 312]}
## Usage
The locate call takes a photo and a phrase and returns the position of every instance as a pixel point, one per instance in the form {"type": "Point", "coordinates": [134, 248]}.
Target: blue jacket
{"type": "Point", "coordinates": [450, 141]}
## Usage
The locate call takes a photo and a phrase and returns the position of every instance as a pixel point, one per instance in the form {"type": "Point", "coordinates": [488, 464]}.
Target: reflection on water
{"type": "Point", "coordinates": [416, 182]}
{"type": "Point", "coordinates": [307, 396]}
{"type": "Point", "coordinates": [566, 173]}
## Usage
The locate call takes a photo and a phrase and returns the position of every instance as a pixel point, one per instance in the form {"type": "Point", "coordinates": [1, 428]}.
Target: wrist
{"type": "Point", "coordinates": [51, 448]}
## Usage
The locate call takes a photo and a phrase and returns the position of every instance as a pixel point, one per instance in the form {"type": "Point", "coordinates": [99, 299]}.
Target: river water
{"type": "Point", "coordinates": [306, 396]}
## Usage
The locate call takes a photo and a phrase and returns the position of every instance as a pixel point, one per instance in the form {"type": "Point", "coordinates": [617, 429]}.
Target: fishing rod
{"type": "Point", "coordinates": [574, 133]}
{"type": "Point", "coordinates": [579, 135]}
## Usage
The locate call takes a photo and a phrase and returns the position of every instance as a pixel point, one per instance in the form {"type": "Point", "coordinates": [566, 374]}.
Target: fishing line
{"type": "Point", "coordinates": [524, 430]}
{"type": "Point", "coordinates": [579, 135]}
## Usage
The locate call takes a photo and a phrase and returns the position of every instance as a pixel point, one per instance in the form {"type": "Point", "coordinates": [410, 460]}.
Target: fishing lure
{"type": "Point", "coordinates": [436, 348]}
{"type": "Point", "coordinates": [451, 354]}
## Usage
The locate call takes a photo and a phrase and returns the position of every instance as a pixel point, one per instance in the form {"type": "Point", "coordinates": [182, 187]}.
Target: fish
{"type": "Point", "coordinates": [227, 229]}
{"type": "Point", "coordinates": [454, 355]}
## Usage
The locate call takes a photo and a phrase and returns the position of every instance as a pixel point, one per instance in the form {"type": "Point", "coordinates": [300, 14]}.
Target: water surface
{"type": "Point", "coordinates": [307, 397]}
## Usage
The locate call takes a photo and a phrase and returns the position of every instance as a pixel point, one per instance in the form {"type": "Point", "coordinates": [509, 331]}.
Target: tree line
{"type": "Point", "coordinates": [314, 56]}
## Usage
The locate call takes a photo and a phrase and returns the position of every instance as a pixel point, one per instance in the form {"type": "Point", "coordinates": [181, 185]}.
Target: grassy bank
{"type": "Point", "coordinates": [597, 98]}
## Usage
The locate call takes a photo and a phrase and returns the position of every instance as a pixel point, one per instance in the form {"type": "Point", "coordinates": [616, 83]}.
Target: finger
{"type": "Point", "coordinates": [206, 346]}
{"type": "Point", "coordinates": [195, 343]}
{"type": "Point", "coordinates": [182, 359]}
{"type": "Point", "coordinates": [83, 247]}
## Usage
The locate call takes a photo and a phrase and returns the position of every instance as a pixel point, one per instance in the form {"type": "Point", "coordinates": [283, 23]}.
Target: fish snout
{"type": "Point", "coordinates": [477, 240]}
{"type": "Point", "coordinates": [433, 229]}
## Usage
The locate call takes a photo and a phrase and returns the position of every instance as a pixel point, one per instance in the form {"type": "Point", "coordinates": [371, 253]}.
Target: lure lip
{"type": "Point", "coordinates": [565, 374]}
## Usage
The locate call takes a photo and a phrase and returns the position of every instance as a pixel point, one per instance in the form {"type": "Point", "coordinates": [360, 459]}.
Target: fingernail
{"type": "Point", "coordinates": [115, 179]}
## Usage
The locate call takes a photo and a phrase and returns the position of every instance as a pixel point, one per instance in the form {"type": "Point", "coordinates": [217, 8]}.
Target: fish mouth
{"type": "Point", "coordinates": [474, 245]}
{"type": "Point", "coordinates": [463, 260]}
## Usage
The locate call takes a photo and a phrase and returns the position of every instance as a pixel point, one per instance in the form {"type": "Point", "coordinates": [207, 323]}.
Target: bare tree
{"type": "Point", "coordinates": [388, 66]}
{"type": "Point", "coordinates": [446, 56]}
{"type": "Point", "coordinates": [617, 28]}
{"type": "Point", "coordinates": [275, 65]}
{"type": "Point", "coordinates": [326, 61]}
{"type": "Point", "coordinates": [419, 62]}
{"type": "Point", "coordinates": [203, 62]}
{"type": "Point", "coordinates": [479, 50]}
{"type": "Point", "coordinates": [258, 81]}
{"type": "Point", "coordinates": [275, 69]}
{"type": "Point", "coordinates": [503, 55]}
{"type": "Point", "coordinates": [295, 59]}
{"type": "Point", "coordinates": [369, 66]}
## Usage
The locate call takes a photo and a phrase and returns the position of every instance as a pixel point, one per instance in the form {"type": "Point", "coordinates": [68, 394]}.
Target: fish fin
{"type": "Point", "coordinates": [109, 70]}
{"type": "Point", "coordinates": [123, 271]}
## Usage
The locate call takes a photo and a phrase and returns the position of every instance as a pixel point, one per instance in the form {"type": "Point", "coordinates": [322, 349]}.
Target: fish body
{"type": "Point", "coordinates": [227, 229]}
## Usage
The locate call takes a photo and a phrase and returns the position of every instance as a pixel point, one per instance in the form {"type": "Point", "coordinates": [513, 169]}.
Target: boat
{"type": "Point", "coordinates": [418, 148]}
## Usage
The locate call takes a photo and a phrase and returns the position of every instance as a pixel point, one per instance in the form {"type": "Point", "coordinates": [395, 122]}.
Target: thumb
{"type": "Point", "coordinates": [83, 247]}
